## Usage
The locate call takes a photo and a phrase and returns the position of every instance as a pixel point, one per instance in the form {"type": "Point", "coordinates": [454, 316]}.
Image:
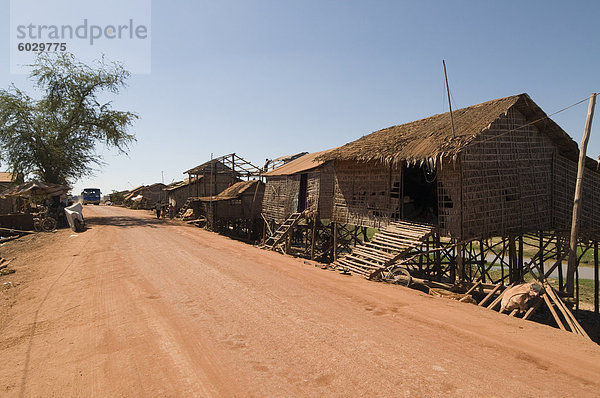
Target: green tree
{"type": "Point", "coordinates": [55, 137]}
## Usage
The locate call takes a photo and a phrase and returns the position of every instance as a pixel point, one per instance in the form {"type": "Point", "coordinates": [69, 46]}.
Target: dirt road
{"type": "Point", "coordinates": [142, 308]}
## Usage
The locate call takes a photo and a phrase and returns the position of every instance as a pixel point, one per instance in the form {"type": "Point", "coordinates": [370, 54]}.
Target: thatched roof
{"type": "Point", "coordinates": [431, 138]}
{"type": "Point", "coordinates": [142, 188]}
{"type": "Point", "coordinates": [180, 184]}
{"type": "Point", "coordinates": [234, 192]}
{"type": "Point", "coordinates": [35, 188]}
{"type": "Point", "coordinates": [212, 166]}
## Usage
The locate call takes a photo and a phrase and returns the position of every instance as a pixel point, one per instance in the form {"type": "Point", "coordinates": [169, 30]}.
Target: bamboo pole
{"type": "Point", "coordinates": [449, 102]}
{"type": "Point", "coordinates": [572, 264]}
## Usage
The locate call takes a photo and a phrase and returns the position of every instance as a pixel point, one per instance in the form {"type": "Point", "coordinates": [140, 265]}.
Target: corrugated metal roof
{"type": "Point", "coordinates": [303, 163]}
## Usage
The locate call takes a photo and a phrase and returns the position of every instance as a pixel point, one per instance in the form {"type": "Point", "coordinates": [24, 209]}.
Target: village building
{"type": "Point", "coordinates": [235, 211]}
{"type": "Point", "coordinates": [146, 196]}
{"type": "Point", "coordinates": [454, 197]}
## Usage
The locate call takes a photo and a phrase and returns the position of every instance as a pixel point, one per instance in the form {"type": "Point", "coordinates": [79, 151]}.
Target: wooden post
{"type": "Point", "coordinates": [596, 287]}
{"type": "Point", "coordinates": [560, 268]}
{"type": "Point", "coordinates": [520, 259]}
{"type": "Point", "coordinates": [335, 240]}
{"type": "Point", "coordinates": [572, 265]}
{"type": "Point", "coordinates": [541, 252]}
{"type": "Point", "coordinates": [482, 261]}
{"type": "Point", "coordinates": [313, 238]}
{"type": "Point", "coordinates": [459, 265]}
{"type": "Point", "coordinates": [512, 260]}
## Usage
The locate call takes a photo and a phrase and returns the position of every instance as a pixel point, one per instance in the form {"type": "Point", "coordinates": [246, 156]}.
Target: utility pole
{"type": "Point", "coordinates": [572, 264]}
{"type": "Point", "coordinates": [449, 102]}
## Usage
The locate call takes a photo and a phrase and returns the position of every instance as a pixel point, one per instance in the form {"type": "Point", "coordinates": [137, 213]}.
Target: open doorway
{"type": "Point", "coordinates": [303, 194]}
{"type": "Point", "coordinates": [420, 202]}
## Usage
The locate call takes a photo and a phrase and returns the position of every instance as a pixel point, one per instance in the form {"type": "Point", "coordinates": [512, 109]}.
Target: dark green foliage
{"type": "Point", "coordinates": [55, 137]}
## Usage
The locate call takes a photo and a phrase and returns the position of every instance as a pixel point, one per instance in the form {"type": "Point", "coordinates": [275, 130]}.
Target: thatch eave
{"type": "Point", "coordinates": [432, 138]}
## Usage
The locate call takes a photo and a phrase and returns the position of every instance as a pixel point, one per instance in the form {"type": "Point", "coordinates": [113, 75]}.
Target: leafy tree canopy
{"type": "Point", "coordinates": [55, 137]}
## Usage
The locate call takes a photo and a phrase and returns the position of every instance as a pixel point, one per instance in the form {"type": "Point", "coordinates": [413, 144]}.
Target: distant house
{"type": "Point", "coordinates": [178, 193]}
{"type": "Point", "coordinates": [211, 178]}
{"type": "Point", "coordinates": [301, 184]}
{"type": "Point", "coordinates": [146, 196]}
{"type": "Point", "coordinates": [7, 205]}
{"type": "Point", "coordinates": [6, 180]}
{"type": "Point", "coordinates": [236, 208]}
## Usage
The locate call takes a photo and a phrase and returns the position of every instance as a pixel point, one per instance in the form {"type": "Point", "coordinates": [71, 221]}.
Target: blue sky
{"type": "Point", "coordinates": [268, 78]}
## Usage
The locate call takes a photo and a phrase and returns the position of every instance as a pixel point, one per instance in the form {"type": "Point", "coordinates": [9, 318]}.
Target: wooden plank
{"type": "Point", "coordinates": [403, 232]}
{"type": "Point", "coordinates": [398, 239]}
{"type": "Point", "coordinates": [16, 230]}
{"type": "Point", "coordinates": [532, 309]}
{"type": "Point", "coordinates": [473, 287]}
{"type": "Point", "coordinates": [386, 247]}
{"type": "Point", "coordinates": [392, 245]}
{"type": "Point", "coordinates": [378, 252]}
{"type": "Point", "coordinates": [367, 254]}
{"type": "Point", "coordinates": [554, 314]}
{"type": "Point", "coordinates": [569, 317]}
{"type": "Point", "coordinates": [367, 263]}
{"type": "Point", "coordinates": [353, 268]}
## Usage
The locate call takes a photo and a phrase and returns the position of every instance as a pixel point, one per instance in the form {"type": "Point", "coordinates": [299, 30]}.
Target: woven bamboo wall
{"type": "Point", "coordinates": [282, 193]}
{"type": "Point", "coordinates": [247, 206]}
{"type": "Point", "coordinates": [565, 175]}
{"type": "Point", "coordinates": [177, 197]}
{"type": "Point", "coordinates": [281, 197]}
{"type": "Point", "coordinates": [326, 188]}
{"type": "Point", "coordinates": [449, 195]}
{"type": "Point", "coordinates": [507, 180]}
{"type": "Point", "coordinates": [313, 189]}
{"type": "Point", "coordinates": [362, 194]}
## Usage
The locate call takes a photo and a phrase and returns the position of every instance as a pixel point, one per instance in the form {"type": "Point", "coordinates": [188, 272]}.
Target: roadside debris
{"type": "Point", "coordinates": [463, 298]}
{"type": "Point", "coordinates": [520, 296]}
{"type": "Point", "coordinates": [75, 217]}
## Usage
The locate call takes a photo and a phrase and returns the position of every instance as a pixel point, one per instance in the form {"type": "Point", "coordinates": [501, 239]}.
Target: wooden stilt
{"type": "Point", "coordinates": [553, 311]}
{"type": "Point", "coordinates": [313, 237]}
{"type": "Point", "coordinates": [596, 281]}
{"type": "Point", "coordinates": [541, 253]}
{"type": "Point", "coordinates": [572, 263]}
{"type": "Point", "coordinates": [460, 271]}
{"type": "Point", "coordinates": [335, 241]}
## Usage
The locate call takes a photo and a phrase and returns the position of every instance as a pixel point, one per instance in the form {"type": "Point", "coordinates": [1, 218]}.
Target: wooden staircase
{"type": "Point", "coordinates": [277, 240]}
{"type": "Point", "coordinates": [184, 208]}
{"type": "Point", "coordinates": [387, 246]}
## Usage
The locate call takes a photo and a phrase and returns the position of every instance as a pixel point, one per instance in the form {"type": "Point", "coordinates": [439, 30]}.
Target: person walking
{"type": "Point", "coordinates": [158, 207]}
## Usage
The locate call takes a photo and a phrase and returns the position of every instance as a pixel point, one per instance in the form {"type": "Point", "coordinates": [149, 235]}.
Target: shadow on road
{"type": "Point", "coordinates": [124, 221]}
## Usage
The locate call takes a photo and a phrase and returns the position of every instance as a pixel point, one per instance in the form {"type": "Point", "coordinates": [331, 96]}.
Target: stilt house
{"type": "Point", "coordinates": [304, 183]}
{"type": "Point", "coordinates": [241, 201]}
{"type": "Point", "coordinates": [505, 169]}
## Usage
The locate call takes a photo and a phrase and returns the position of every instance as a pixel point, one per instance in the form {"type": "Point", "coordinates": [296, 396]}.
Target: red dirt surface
{"type": "Point", "coordinates": [139, 307]}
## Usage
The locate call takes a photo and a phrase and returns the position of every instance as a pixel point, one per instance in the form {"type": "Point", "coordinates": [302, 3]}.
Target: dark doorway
{"type": "Point", "coordinates": [420, 202]}
{"type": "Point", "coordinates": [302, 195]}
